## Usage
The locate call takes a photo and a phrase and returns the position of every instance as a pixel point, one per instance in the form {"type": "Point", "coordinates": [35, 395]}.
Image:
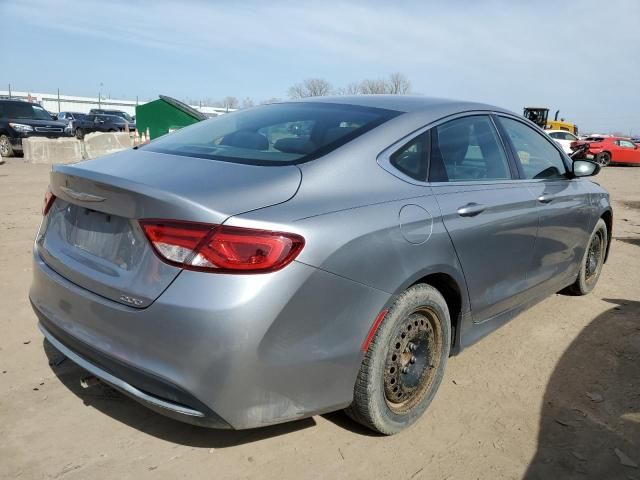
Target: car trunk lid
{"type": "Point", "coordinates": [91, 235]}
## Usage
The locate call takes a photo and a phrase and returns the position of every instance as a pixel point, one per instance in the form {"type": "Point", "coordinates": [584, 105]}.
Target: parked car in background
{"type": "Point", "coordinates": [606, 150]}
{"type": "Point", "coordinates": [117, 113]}
{"type": "Point", "coordinates": [20, 119]}
{"type": "Point", "coordinates": [99, 123]}
{"type": "Point", "coordinates": [301, 257]}
{"type": "Point", "coordinates": [563, 138]}
{"type": "Point", "coordinates": [70, 116]}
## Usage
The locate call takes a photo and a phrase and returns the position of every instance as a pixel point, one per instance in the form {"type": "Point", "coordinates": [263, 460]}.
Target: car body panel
{"type": "Point", "coordinates": [563, 138]}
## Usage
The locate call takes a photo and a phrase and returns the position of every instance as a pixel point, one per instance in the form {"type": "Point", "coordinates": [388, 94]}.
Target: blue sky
{"type": "Point", "coordinates": [581, 57]}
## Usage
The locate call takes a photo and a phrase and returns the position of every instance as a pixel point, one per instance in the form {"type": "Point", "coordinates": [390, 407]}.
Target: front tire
{"type": "Point", "coordinates": [79, 134]}
{"type": "Point", "coordinates": [404, 363]}
{"type": "Point", "coordinates": [6, 150]}
{"type": "Point", "coordinates": [592, 260]}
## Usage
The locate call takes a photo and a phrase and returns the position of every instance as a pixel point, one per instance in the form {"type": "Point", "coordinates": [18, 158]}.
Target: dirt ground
{"type": "Point", "coordinates": [554, 394]}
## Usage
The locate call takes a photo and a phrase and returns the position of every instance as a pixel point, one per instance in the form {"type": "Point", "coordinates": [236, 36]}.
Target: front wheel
{"type": "Point", "coordinates": [79, 134]}
{"type": "Point", "coordinates": [404, 363]}
{"type": "Point", "coordinates": [5, 147]}
{"type": "Point", "coordinates": [592, 260]}
{"type": "Point", "coordinates": [603, 159]}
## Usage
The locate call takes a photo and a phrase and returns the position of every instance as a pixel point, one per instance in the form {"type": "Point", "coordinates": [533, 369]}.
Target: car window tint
{"type": "Point", "coordinates": [467, 149]}
{"type": "Point", "coordinates": [275, 134]}
{"type": "Point", "coordinates": [562, 136]}
{"type": "Point", "coordinates": [412, 159]}
{"type": "Point", "coordinates": [627, 144]}
{"type": "Point", "coordinates": [538, 157]}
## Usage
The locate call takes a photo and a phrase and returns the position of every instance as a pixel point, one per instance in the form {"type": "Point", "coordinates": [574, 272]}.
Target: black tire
{"type": "Point", "coordinates": [79, 134]}
{"type": "Point", "coordinates": [603, 159]}
{"type": "Point", "coordinates": [404, 363]}
{"type": "Point", "coordinates": [592, 260]}
{"type": "Point", "coordinates": [6, 150]}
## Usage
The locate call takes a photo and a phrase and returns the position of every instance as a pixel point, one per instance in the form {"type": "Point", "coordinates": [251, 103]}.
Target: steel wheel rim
{"type": "Point", "coordinates": [412, 360]}
{"type": "Point", "coordinates": [594, 257]}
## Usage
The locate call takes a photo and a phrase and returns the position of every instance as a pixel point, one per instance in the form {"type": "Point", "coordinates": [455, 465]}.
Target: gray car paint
{"type": "Point", "coordinates": [262, 349]}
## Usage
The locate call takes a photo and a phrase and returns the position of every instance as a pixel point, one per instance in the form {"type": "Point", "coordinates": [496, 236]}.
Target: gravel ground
{"type": "Point", "coordinates": [554, 394]}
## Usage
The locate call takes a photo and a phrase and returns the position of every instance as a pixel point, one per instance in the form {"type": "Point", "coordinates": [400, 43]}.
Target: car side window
{"type": "Point", "coordinates": [467, 149]}
{"type": "Point", "coordinates": [412, 159]}
{"type": "Point", "coordinates": [626, 144]}
{"type": "Point", "coordinates": [538, 157]}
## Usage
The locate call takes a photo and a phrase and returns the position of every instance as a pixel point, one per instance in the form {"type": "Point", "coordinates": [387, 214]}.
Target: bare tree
{"type": "Point", "coordinates": [399, 84]}
{"type": "Point", "coordinates": [230, 102]}
{"type": "Point", "coordinates": [378, 86]}
{"type": "Point", "coordinates": [311, 87]}
{"type": "Point", "coordinates": [247, 102]}
{"type": "Point", "coordinates": [351, 89]}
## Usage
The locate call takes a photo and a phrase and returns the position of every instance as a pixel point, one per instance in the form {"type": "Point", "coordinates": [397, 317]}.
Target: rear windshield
{"type": "Point", "coordinates": [277, 134]}
{"type": "Point", "coordinates": [24, 110]}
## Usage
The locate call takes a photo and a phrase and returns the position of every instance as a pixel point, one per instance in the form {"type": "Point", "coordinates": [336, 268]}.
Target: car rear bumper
{"type": "Point", "coordinates": [223, 351]}
{"type": "Point", "coordinates": [158, 400]}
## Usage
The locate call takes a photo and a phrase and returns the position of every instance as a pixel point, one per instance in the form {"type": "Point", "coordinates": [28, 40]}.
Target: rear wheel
{"type": "Point", "coordinates": [592, 260]}
{"type": "Point", "coordinates": [404, 363]}
{"type": "Point", "coordinates": [5, 146]}
{"type": "Point", "coordinates": [603, 158]}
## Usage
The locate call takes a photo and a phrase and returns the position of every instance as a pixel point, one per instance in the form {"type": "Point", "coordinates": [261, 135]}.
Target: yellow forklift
{"type": "Point", "coordinates": [539, 116]}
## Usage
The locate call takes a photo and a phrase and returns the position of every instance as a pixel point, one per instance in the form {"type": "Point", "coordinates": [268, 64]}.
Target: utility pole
{"type": "Point", "coordinates": [9, 91]}
{"type": "Point", "coordinates": [58, 100]}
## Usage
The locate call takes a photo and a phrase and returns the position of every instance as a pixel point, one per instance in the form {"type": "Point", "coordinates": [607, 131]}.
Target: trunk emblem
{"type": "Point", "coordinates": [82, 196]}
{"type": "Point", "coordinates": [131, 300]}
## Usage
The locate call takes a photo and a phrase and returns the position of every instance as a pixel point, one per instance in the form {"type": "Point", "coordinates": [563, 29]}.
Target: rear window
{"type": "Point", "coordinates": [24, 110]}
{"type": "Point", "coordinates": [276, 134]}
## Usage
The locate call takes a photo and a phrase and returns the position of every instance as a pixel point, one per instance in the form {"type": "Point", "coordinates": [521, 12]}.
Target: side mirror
{"type": "Point", "coordinates": [585, 168]}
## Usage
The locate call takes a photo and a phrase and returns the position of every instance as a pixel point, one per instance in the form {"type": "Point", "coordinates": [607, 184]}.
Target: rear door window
{"type": "Point", "coordinates": [537, 155]}
{"type": "Point", "coordinates": [467, 149]}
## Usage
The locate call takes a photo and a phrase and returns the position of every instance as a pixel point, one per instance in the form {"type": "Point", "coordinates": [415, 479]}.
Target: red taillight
{"type": "Point", "coordinates": [49, 198]}
{"type": "Point", "coordinates": [219, 248]}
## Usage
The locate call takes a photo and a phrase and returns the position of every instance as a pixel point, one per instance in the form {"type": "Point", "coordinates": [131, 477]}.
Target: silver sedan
{"type": "Point", "coordinates": [304, 257]}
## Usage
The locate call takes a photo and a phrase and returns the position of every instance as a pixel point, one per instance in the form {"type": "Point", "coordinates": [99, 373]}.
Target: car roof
{"type": "Point", "coordinates": [401, 103]}
{"type": "Point", "coordinates": [13, 100]}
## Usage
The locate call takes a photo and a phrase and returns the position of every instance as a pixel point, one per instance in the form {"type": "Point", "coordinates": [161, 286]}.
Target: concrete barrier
{"type": "Point", "coordinates": [51, 150]}
{"type": "Point", "coordinates": [98, 144]}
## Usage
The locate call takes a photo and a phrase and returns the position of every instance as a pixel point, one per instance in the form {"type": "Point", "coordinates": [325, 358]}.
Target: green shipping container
{"type": "Point", "coordinates": [165, 115]}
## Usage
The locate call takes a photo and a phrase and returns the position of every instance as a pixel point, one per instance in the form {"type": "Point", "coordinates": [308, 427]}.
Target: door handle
{"type": "Point", "coordinates": [471, 209]}
{"type": "Point", "coordinates": [546, 198]}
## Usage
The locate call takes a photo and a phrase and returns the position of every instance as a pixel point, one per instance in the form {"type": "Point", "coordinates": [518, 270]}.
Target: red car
{"type": "Point", "coordinates": [608, 150]}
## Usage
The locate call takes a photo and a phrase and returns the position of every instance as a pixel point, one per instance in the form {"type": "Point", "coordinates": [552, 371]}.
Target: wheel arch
{"type": "Point", "coordinates": [451, 285]}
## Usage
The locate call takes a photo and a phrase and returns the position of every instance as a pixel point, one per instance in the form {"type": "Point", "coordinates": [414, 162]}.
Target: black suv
{"type": "Point", "coordinates": [19, 119]}
{"type": "Point", "coordinates": [99, 123]}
